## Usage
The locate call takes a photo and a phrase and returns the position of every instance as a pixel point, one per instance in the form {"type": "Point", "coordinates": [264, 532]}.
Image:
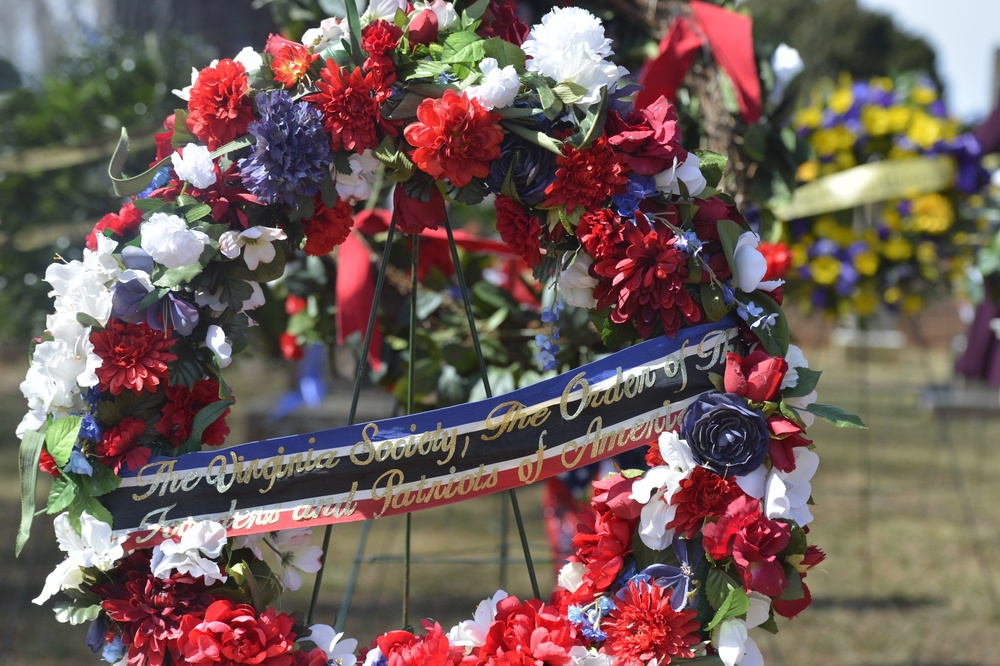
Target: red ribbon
{"type": "Point", "coordinates": [728, 35]}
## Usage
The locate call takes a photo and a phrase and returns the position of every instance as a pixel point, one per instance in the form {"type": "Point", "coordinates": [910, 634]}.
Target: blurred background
{"type": "Point", "coordinates": [890, 296]}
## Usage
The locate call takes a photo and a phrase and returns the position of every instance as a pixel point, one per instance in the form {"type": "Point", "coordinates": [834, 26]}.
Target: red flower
{"type": "Point", "coordinates": [649, 138]}
{"type": "Point", "coordinates": [586, 178]}
{"type": "Point", "coordinates": [455, 138]}
{"type": "Point", "coordinates": [328, 227]}
{"type": "Point", "coordinates": [702, 494]}
{"type": "Point", "coordinates": [519, 229]}
{"type": "Point", "coordinates": [233, 634]}
{"type": "Point", "coordinates": [224, 196]}
{"type": "Point", "coordinates": [528, 634]}
{"type": "Point", "coordinates": [291, 62]}
{"type": "Point", "coordinates": [149, 610]}
{"type": "Point", "coordinates": [501, 21]}
{"type": "Point", "coordinates": [600, 232]}
{"type": "Point", "coordinates": [754, 541]}
{"type": "Point", "coordinates": [181, 407]}
{"type": "Point", "coordinates": [778, 257]}
{"type": "Point", "coordinates": [118, 445]}
{"type": "Point", "coordinates": [125, 225]}
{"type": "Point", "coordinates": [295, 304]}
{"type": "Point", "coordinates": [643, 627]}
{"type": "Point", "coordinates": [402, 648]}
{"type": "Point", "coordinates": [791, 607]}
{"type": "Point", "coordinates": [644, 280]}
{"type": "Point", "coordinates": [290, 348]}
{"type": "Point", "coordinates": [48, 464]}
{"type": "Point", "coordinates": [164, 140]}
{"type": "Point", "coordinates": [756, 377]}
{"type": "Point", "coordinates": [423, 27]}
{"type": "Point", "coordinates": [380, 38]}
{"type": "Point", "coordinates": [219, 109]}
{"type": "Point", "coordinates": [350, 105]}
{"type": "Point", "coordinates": [134, 357]}
{"type": "Point", "coordinates": [413, 215]}
{"type": "Point", "coordinates": [315, 657]}
{"type": "Point", "coordinates": [602, 543]}
{"type": "Point", "coordinates": [614, 493]}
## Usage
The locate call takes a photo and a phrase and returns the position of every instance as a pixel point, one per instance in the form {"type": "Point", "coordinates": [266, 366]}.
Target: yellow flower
{"type": "Point", "coordinates": [845, 161]}
{"type": "Point", "coordinates": [809, 118]}
{"type": "Point", "coordinates": [932, 214]}
{"type": "Point", "coordinates": [891, 217]}
{"type": "Point", "coordinates": [875, 120]}
{"type": "Point", "coordinates": [825, 270]}
{"type": "Point", "coordinates": [892, 295]}
{"type": "Point", "coordinates": [866, 262]}
{"type": "Point", "coordinates": [913, 303]}
{"type": "Point", "coordinates": [800, 256]}
{"type": "Point", "coordinates": [866, 302]}
{"type": "Point", "coordinates": [841, 100]}
{"type": "Point", "coordinates": [927, 253]}
{"type": "Point", "coordinates": [899, 118]}
{"type": "Point", "coordinates": [808, 171]}
{"type": "Point", "coordinates": [897, 248]}
{"type": "Point", "coordinates": [924, 95]}
{"type": "Point", "coordinates": [925, 131]}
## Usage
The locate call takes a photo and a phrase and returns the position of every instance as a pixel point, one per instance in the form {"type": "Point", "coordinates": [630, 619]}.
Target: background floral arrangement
{"type": "Point", "coordinates": [262, 169]}
{"type": "Point", "coordinates": [901, 251]}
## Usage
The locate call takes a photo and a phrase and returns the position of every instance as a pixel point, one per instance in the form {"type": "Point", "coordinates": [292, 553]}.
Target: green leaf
{"type": "Point", "coordinates": [719, 585]}
{"type": "Point", "coordinates": [85, 319]}
{"type": "Point", "coordinates": [195, 213]}
{"type": "Point", "coordinates": [61, 436]}
{"type": "Point", "coordinates": [61, 495]}
{"type": "Point", "coordinates": [569, 92]}
{"type": "Point", "coordinates": [354, 27]}
{"type": "Point", "coordinates": [206, 417]}
{"type": "Point", "coordinates": [547, 98]}
{"type": "Point", "coordinates": [536, 137]}
{"type": "Point", "coordinates": [101, 482]}
{"type": "Point", "coordinates": [794, 589]}
{"type": "Point", "coordinates": [712, 166]}
{"type": "Point", "coordinates": [463, 46]}
{"type": "Point", "coordinates": [775, 337]}
{"type": "Point", "coordinates": [82, 504]}
{"type": "Point", "coordinates": [592, 125]}
{"type": "Point", "coordinates": [729, 234]}
{"type": "Point", "coordinates": [476, 10]}
{"type": "Point", "coordinates": [69, 612]}
{"type": "Point", "coordinates": [174, 277]}
{"type": "Point", "coordinates": [27, 466]}
{"type": "Point", "coordinates": [836, 416]}
{"type": "Point", "coordinates": [712, 302]}
{"type": "Point", "coordinates": [806, 384]}
{"type": "Point", "coordinates": [152, 297]}
{"type": "Point", "coordinates": [123, 186]}
{"type": "Point", "coordinates": [149, 205]}
{"type": "Point", "coordinates": [736, 603]}
{"type": "Point", "coordinates": [504, 53]}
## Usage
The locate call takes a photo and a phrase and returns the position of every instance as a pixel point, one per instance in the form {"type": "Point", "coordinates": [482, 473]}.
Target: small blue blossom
{"type": "Point", "coordinates": [78, 464]}
{"type": "Point", "coordinates": [113, 651]}
{"type": "Point", "coordinates": [548, 344]}
{"type": "Point", "coordinates": [576, 615]}
{"type": "Point", "coordinates": [90, 429]}
{"type": "Point", "coordinates": [292, 155]}
{"type": "Point", "coordinates": [728, 295]}
{"type": "Point", "coordinates": [689, 242]}
{"type": "Point", "coordinates": [161, 178]}
{"type": "Point", "coordinates": [637, 189]}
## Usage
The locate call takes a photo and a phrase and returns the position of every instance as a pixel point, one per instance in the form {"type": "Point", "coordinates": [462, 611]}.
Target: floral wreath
{"type": "Point", "coordinates": [274, 150]}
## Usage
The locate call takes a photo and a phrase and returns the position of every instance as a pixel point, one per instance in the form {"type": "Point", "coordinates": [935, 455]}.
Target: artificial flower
{"type": "Point", "coordinates": [296, 554]}
{"type": "Point", "coordinates": [93, 546]}
{"type": "Point", "coordinates": [215, 339]}
{"type": "Point", "coordinates": [348, 101]}
{"type": "Point", "coordinates": [382, 10]}
{"type": "Point", "coordinates": [193, 554]}
{"type": "Point", "coordinates": [686, 173]}
{"type": "Point", "coordinates": [357, 185]}
{"type": "Point", "coordinates": [498, 87]}
{"type": "Point", "coordinates": [339, 650]}
{"type": "Point", "coordinates": [219, 109]}
{"type": "Point", "coordinates": [576, 285]}
{"type": "Point", "coordinates": [124, 225]}
{"type": "Point", "coordinates": [379, 39]}
{"type": "Point", "coordinates": [119, 445]}
{"type": "Point", "coordinates": [758, 377]}
{"type": "Point", "coordinates": [519, 229]}
{"type": "Point", "coordinates": [134, 356]}
{"type": "Point", "coordinates": [643, 627]}
{"type": "Point", "coordinates": [753, 541]}
{"type": "Point", "coordinates": [523, 167]}
{"type": "Point", "coordinates": [725, 434]}
{"type": "Point", "coordinates": [179, 411]}
{"type": "Point", "coordinates": [585, 178]}
{"type": "Point", "coordinates": [194, 164]}
{"type": "Point", "coordinates": [472, 633]}
{"type": "Point", "coordinates": [443, 10]}
{"type": "Point", "coordinates": [291, 62]}
{"type": "Point", "coordinates": [257, 244]}
{"type": "Point", "coordinates": [170, 242]}
{"type": "Point", "coordinates": [328, 34]}
{"type": "Point", "coordinates": [232, 633]}
{"type": "Point", "coordinates": [701, 495]}
{"type": "Point", "coordinates": [529, 633]}
{"type": "Point", "coordinates": [328, 227]}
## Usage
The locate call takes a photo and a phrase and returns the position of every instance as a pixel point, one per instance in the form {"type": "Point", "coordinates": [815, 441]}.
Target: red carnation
{"type": "Point", "coordinates": [133, 356]}
{"type": "Point", "coordinates": [328, 227]}
{"type": "Point", "coordinates": [644, 627]}
{"type": "Point", "coordinates": [702, 494]}
{"type": "Point", "coordinates": [118, 445]}
{"type": "Point", "coordinates": [757, 377]}
{"type": "Point", "coordinates": [586, 178]}
{"type": "Point", "coordinates": [600, 232]}
{"type": "Point", "coordinates": [125, 225]}
{"type": "Point", "coordinates": [48, 464]}
{"type": "Point", "coordinates": [219, 109]}
{"type": "Point", "coordinates": [455, 137]}
{"type": "Point", "coordinates": [528, 634]}
{"type": "Point", "coordinates": [149, 610]}
{"type": "Point", "coordinates": [350, 104]}
{"type": "Point", "coordinates": [183, 404]}
{"type": "Point", "coordinates": [519, 229]}
{"type": "Point", "coordinates": [754, 541]}
{"type": "Point", "coordinates": [644, 280]}
{"type": "Point", "coordinates": [402, 648]}
{"type": "Point", "coordinates": [380, 38]}
{"type": "Point", "coordinates": [291, 62]}
{"type": "Point", "coordinates": [233, 634]}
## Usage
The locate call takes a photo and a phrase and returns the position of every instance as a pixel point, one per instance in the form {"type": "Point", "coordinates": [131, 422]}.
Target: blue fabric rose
{"type": "Point", "coordinates": [725, 434]}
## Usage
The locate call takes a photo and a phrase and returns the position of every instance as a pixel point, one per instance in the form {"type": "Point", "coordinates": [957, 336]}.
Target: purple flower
{"type": "Point", "coordinates": [637, 189]}
{"type": "Point", "coordinates": [90, 429]}
{"type": "Point", "coordinates": [725, 434]}
{"type": "Point", "coordinates": [680, 579]}
{"type": "Point", "coordinates": [292, 155]}
{"type": "Point", "coordinates": [530, 169]}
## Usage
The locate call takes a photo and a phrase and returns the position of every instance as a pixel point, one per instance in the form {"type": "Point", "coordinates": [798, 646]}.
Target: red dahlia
{"type": "Point", "coordinates": [149, 610]}
{"type": "Point", "coordinates": [643, 280]}
{"type": "Point", "coordinates": [586, 178]}
{"type": "Point", "coordinates": [600, 232]}
{"type": "Point", "coordinates": [519, 229]}
{"type": "Point", "coordinates": [133, 356]}
{"type": "Point", "coordinates": [219, 109]}
{"type": "Point", "coordinates": [350, 104]}
{"type": "Point", "coordinates": [291, 63]}
{"type": "Point", "coordinates": [328, 227]}
{"type": "Point", "coordinates": [182, 405]}
{"type": "Point", "coordinates": [455, 138]}
{"type": "Point", "coordinates": [643, 626]}
{"type": "Point", "coordinates": [232, 634]}
{"type": "Point", "coordinates": [118, 445]}
{"type": "Point", "coordinates": [702, 494]}
{"type": "Point", "coordinates": [528, 634]}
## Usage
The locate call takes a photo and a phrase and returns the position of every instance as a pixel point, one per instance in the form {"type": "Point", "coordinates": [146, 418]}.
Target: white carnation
{"type": "Point", "coordinates": [498, 87]}
{"type": "Point", "coordinates": [169, 241]}
{"type": "Point", "coordinates": [194, 165]}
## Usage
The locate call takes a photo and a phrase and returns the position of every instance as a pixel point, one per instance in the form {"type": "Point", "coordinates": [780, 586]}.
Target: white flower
{"type": "Point", "coordinates": [382, 9]}
{"type": "Point", "coordinates": [731, 637]}
{"type": "Point", "coordinates": [257, 243]}
{"type": "Point", "coordinates": [58, 368]}
{"type": "Point", "coordinates": [472, 633]}
{"type": "Point", "coordinates": [251, 541]}
{"type": "Point", "coordinates": [687, 172]}
{"type": "Point", "coordinates": [676, 452]}
{"type": "Point", "coordinates": [101, 262]}
{"type": "Point", "coordinates": [795, 359]}
{"type": "Point", "coordinates": [329, 32]}
{"type": "Point", "coordinates": [250, 59]}
{"type": "Point", "coordinates": [296, 554]}
{"type": "Point", "coordinates": [76, 288]}
{"type": "Point", "coordinates": [216, 340]}
{"type": "Point", "coordinates": [785, 494]}
{"type": "Point", "coordinates": [213, 300]}
{"type": "Point", "coordinates": [256, 298]}
{"type": "Point", "coordinates": [373, 656]}
{"type": "Point", "coordinates": [169, 241]}
{"type": "Point", "coordinates": [657, 486]}
{"type": "Point", "coordinates": [571, 576]}
{"type": "Point", "coordinates": [339, 650]}
{"type": "Point", "coordinates": [576, 284]}
{"type": "Point", "coordinates": [498, 87]}
{"type": "Point", "coordinates": [750, 265]}
{"type": "Point", "coordinates": [569, 46]}
{"type": "Point", "coordinates": [193, 553]}
{"type": "Point", "coordinates": [194, 165]}
{"type": "Point", "coordinates": [185, 92]}
{"type": "Point", "coordinates": [443, 11]}
{"type": "Point", "coordinates": [799, 405]}
{"type": "Point", "coordinates": [786, 64]}
{"type": "Point", "coordinates": [588, 657]}
{"type": "Point", "coordinates": [357, 185]}
{"type": "Point", "coordinates": [92, 547]}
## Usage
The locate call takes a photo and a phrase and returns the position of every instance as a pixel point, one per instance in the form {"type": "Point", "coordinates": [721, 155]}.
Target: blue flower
{"type": "Point", "coordinates": [78, 464]}
{"type": "Point", "coordinates": [680, 579]}
{"type": "Point", "coordinates": [113, 651]}
{"type": "Point", "coordinates": [90, 429]}
{"type": "Point", "coordinates": [637, 189]}
{"type": "Point", "coordinates": [292, 155]}
{"type": "Point", "coordinates": [529, 167]}
{"type": "Point", "coordinates": [725, 434]}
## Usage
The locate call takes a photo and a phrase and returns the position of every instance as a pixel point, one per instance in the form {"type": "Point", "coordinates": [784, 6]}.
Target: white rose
{"type": "Point", "coordinates": [169, 241]}
{"type": "Point", "coordinates": [195, 165]}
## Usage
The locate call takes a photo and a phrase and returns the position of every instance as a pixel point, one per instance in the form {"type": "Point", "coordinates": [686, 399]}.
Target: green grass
{"type": "Point", "coordinates": [907, 512]}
